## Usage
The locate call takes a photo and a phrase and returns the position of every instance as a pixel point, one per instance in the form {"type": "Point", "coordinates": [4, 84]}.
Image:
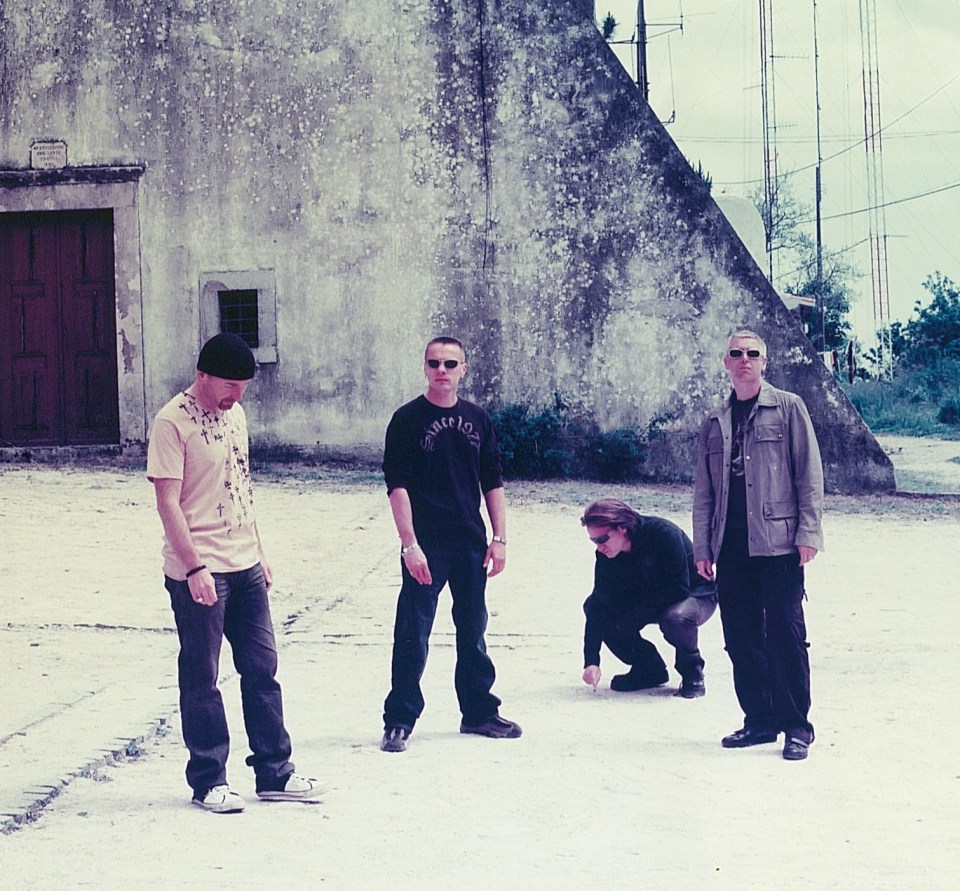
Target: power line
{"type": "Point", "coordinates": [803, 140]}
{"type": "Point", "coordinates": [854, 145]}
{"type": "Point", "coordinates": [851, 213]}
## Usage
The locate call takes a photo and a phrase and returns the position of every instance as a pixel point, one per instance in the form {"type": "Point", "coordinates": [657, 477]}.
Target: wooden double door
{"type": "Point", "coordinates": [58, 350]}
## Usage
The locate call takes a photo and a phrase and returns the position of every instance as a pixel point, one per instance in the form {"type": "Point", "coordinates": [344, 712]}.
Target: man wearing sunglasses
{"type": "Point", "coordinates": [644, 575]}
{"type": "Point", "coordinates": [440, 455]}
{"type": "Point", "coordinates": [758, 503]}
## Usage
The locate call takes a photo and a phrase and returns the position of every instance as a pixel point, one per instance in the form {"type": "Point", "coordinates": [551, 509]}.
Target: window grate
{"type": "Point", "coordinates": [239, 314]}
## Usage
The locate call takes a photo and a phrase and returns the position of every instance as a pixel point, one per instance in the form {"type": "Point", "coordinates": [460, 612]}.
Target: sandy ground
{"type": "Point", "coordinates": [924, 465]}
{"type": "Point", "coordinates": [603, 789]}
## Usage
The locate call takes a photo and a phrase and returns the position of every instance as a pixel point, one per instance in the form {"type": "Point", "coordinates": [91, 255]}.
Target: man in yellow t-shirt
{"type": "Point", "coordinates": [218, 579]}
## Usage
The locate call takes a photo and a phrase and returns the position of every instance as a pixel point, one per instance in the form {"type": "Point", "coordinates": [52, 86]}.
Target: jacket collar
{"type": "Point", "coordinates": [765, 397]}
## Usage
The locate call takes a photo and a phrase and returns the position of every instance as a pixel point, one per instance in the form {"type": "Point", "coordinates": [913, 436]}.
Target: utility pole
{"type": "Point", "coordinates": [771, 174]}
{"type": "Point", "coordinates": [819, 313]}
{"type": "Point", "coordinates": [873, 142]}
{"type": "Point", "coordinates": [639, 36]}
{"type": "Point", "coordinates": [642, 80]}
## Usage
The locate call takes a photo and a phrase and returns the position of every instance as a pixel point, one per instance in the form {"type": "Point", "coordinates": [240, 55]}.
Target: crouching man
{"type": "Point", "coordinates": [644, 574]}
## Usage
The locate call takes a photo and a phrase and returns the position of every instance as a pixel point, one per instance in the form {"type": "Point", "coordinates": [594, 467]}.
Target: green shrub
{"type": "Point", "coordinates": [895, 407]}
{"type": "Point", "coordinates": [614, 457]}
{"type": "Point", "coordinates": [553, 443]}
{"type": "Point", "coordinates": [531, 446]}
{"type": "Point", "coordinates": [950, 412]}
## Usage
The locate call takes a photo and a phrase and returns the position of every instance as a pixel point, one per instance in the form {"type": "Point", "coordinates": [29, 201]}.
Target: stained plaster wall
{"type": "Point", "coordinates": [477, 167]}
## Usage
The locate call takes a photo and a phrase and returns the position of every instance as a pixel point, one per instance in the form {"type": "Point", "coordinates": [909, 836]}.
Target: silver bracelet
{"type": "Point", "coordinates": [499, 538]}
{"type": "Point", "coordinates": [410, 550]}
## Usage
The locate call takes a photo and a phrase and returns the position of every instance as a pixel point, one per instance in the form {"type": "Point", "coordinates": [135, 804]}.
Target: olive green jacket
{"type": "Point", "coordinates": [783, 473]}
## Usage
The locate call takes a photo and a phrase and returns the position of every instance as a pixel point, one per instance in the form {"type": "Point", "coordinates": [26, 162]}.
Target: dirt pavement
{"type": "Point", "coordinates": [602, 790]}
{"type": "Point", "coordinates": [88, 642]}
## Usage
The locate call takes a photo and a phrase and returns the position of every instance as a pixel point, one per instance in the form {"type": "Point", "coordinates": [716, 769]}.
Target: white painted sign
{"type": "Point", "coordinates": [49, 154]}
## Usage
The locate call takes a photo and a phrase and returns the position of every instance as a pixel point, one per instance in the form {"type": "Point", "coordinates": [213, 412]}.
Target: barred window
{"type": "Point", "coordinates": [244, 302]}
{"type": "Point", "coordinates": [239, 314]}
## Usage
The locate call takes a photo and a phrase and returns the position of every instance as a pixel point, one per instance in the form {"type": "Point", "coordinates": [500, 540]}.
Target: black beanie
{"type": "Point", "coordinates": [227, 356]}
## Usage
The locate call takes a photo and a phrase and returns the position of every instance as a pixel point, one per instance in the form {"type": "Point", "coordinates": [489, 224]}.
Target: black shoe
{"type": "Point", "coordinates": [495, 727]}
{"type": "Point", "coordinates": [394, 739]}
{"type": "Point", "coordinates": [635, 680]}
{"type": "Point", "coordinates": [692, 689]}
{"type": "Point", "coordinates": [746, 736]}
{"type": "Point", "coordinates": [795, 749]}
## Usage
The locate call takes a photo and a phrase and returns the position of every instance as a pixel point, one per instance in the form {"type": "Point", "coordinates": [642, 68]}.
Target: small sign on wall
{"type": "Point", "coordinates": [48, 154]}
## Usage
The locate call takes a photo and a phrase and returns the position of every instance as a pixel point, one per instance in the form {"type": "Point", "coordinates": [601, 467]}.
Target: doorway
{"type": "Point", "coordinates": [58, 344]}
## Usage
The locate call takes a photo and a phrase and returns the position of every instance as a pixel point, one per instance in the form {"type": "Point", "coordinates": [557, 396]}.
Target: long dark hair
{"type": "Point", "coordinates": [610, 512]}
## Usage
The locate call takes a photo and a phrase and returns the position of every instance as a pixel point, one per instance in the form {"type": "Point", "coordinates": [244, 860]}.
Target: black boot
{"type": "Point", "coordinates": [692, 688]}
{"type": "Point", "coordinates": [638, 680]}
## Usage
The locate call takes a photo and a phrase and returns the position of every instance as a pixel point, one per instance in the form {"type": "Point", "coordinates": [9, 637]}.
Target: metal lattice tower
{"type": "Point", "coordinates": [771, 172]}
{"type": "Point", "coordinates": [877, 222]}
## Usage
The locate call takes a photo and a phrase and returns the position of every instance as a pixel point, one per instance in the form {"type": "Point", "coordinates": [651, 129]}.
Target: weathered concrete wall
{"type": "Point", "coordinates": [477, 167]}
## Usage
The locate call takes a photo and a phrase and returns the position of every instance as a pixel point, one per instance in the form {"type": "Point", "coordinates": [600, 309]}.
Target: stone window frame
{"type": "Point", "coordinates": [264, 282]}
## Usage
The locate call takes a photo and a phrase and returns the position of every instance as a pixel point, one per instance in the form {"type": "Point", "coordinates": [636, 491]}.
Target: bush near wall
{"type": "Point", "coordinates": [910, 405]}
{"type": "Point", "coordinates": [553, 442]}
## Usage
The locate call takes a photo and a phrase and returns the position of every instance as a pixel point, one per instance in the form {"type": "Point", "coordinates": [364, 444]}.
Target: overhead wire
{"type": "Point", "coordinates": [859, 143]}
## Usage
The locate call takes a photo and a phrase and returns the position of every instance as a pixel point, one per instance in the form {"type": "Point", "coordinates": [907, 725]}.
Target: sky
{"type": "Point", "coordinates": [704, 68]}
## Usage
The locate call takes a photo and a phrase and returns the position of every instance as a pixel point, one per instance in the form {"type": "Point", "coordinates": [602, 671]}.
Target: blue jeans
{"type": "Point", "coordinates": [242, 615]}
{"type": "Point", "coordinates": [764, 632]}
{"type": "Point", "coordinates": [462, 568]}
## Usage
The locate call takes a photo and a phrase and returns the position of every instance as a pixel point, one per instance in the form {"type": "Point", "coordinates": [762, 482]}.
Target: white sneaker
{"type": "Point", "coordinates": [297, 788]}
{"type": "Point", "coordinates": [221, 800]}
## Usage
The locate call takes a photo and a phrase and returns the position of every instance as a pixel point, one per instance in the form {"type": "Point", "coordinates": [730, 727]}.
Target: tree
{"type": "Point", "coordinates": [783, 220]}
{"type": "Point", "coordinates": [795, 258]}
{"type": "Point", "coordinates": [834, 293]}
{"type": "Point", "coordinates": [892, 334]}
{"type": "Point", "coordinates": [935, 332]}
{"type": "Point", "coordinates": [927, 348]}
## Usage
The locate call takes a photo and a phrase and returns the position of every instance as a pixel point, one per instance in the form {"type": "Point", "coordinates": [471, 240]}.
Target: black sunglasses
{"type": "Point", "coordinates": [447, 363]}
{"type": "Point", "coordinates": [601, 539]}
{"type": "Point", "coordinates": [738, 354]}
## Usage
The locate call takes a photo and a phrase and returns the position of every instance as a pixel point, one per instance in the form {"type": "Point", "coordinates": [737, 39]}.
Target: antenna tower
{"type": "Point", "coordinates": [771, 173]}
{"type": "Point", "coordinates": [819, 313]}
{"type": "Point", "coordinates": [877, 221]}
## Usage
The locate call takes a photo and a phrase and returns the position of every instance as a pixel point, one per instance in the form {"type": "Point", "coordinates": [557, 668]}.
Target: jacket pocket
{"type": "Point", "coordinates": [781, 519]}
{"type": "Point", "coordinates": [715, 457]}
{"type": "Point", "coordinates": [769, 433]}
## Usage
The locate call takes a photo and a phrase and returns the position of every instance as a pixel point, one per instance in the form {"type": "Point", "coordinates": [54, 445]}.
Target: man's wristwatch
{"type": "Point", "coordinates": [499, 538]}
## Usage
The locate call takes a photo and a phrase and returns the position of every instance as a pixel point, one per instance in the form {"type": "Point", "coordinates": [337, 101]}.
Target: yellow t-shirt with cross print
{"type": "Point", "coordinates": [207, 450]}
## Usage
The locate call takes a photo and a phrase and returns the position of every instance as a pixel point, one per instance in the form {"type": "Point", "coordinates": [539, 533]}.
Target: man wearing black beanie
{"type": "Point", "coordinates": [218, 579]}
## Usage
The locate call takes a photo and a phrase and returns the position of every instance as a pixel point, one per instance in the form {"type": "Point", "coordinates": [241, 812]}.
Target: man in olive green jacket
{"type": "Point", "coordinates": [757, 510]}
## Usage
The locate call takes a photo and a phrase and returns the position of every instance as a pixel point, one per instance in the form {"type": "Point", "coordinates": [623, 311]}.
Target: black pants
{"type": "Point", "coordinates": [680, 624]}
{"type": "Point", "coordinates": [761, 610]}
{"type": "Point", "coordinates": [462, 569]}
